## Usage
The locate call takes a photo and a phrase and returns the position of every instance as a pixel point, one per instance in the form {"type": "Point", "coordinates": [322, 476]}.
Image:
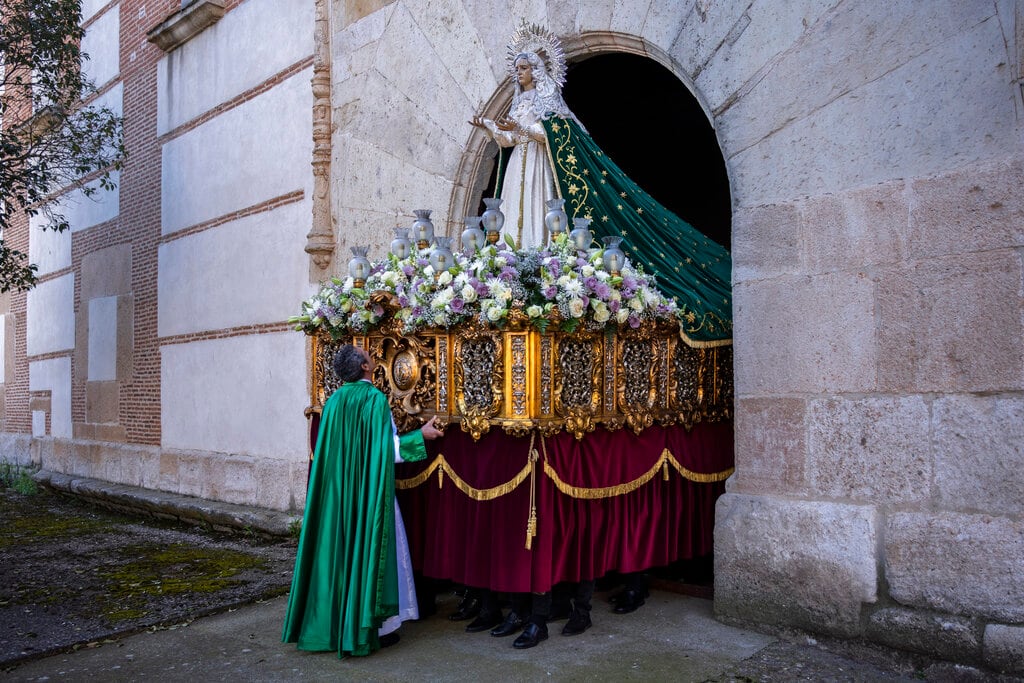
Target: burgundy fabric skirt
{"type": "Point", "coordinates": [483, 542]}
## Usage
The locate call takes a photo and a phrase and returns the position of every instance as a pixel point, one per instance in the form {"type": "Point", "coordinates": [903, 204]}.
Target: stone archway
{"type": "Point", "coordinates": [638, 104]}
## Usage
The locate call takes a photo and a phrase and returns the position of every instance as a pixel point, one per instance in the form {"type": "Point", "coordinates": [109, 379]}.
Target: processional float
{"type": "Point", "coordinates": [535, 360]}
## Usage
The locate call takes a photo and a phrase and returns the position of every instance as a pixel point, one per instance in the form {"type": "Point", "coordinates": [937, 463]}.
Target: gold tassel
{"type": "Point", "coordinates": [664, 469]}
{"type": "Point", "coordinates": [440, 477]}
{"type": "Point", "coordinates": [531, 521]}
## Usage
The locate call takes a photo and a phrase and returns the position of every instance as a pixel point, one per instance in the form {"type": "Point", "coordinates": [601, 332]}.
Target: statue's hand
{"type": "Point", "coordinates": [505, 124]}
{"type": "Point", "coordinates": [478, 122]}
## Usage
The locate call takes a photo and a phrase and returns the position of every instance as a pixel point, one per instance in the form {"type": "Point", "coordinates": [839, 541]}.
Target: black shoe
{"type": "Point", "coordinates": [390, 639]}
{"type": "Point", "coordinates": [513, 622]}
{"type": "Point", "coordinates": [579, 622]}
{"type": "Point", "coordinates": [531, 636]}
{"type": "Point", "coordinates": [628, 602]}
{"type": "Point", "coordinates": [485, 621]}
{"type": "Point", "coordinates": [468, 608]}
{"type": "Point", "coordinates": [617, 598]}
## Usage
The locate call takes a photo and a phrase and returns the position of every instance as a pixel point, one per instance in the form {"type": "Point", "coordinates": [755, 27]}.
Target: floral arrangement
{"type": "Point", "coordinates": [556, 284]}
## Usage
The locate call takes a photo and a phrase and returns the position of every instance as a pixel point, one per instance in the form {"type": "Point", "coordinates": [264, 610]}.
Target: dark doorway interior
{"type": "Point", "coordinates": [646, 120]}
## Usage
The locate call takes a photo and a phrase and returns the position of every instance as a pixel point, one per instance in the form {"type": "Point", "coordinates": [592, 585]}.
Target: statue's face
{"type": "Point", "coordinates": [524, 73]}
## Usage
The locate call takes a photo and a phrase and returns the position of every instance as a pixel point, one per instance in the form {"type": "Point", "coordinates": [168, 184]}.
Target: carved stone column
{"type": "Point", "coordinates": [320, 241]}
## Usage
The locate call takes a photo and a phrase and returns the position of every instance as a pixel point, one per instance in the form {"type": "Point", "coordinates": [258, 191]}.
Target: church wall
{"type": "Point", "coordinates": [875, 156]}
{"type": "Point", "coordinates": [155, 351]}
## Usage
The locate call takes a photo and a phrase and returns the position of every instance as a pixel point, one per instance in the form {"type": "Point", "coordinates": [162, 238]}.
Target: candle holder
{"type": "Point", "coordinates": [555, 219]}
{"type": "Point", "coordinates": [441, 258]}
{"type": "Point", "coordinates": [493, 219]}
{"type": "Point", "coordinates": [472, 236]}
{"type": "Point", "coordinates": [359, 266]}
{"type": "Point", "coordinates": [581, 235]}
{"type": "Point", "coordinates": [400, 246]}
{"type": "Point", "coordinates": [614, 258]}
{"type": "Point", "coordinates": [422, 228]}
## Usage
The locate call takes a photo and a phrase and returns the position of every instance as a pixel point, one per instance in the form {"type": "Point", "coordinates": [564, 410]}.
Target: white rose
{"type": "Point", "coordinates": [587, 271]}
{"type": "Point", "coordinates": [468, 294]}
{"type": "Point", "coordinates": [444, 278]}
{"type": "Point", "coordinates": [576, 307]}
{"type": "Point", "coordinates": [534, 311]}
{"type": "Point", "coordinates": [494, 312]}
{"type": "Point", "coordinates": [347, 306]}
{"type": "Point", "coordinates": [428, 271]}
{"type": "Point", "coordinates": [621, 316]}
{"type": "Point", "coordinates": [636, 304]}
{"type": "Point", "coordinates": [602, 314]}
{"type": "Point", "coordinates": [439, 319]}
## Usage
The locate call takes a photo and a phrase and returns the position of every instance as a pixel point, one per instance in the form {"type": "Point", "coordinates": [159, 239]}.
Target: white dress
{"type": "Point", "coordinates": [528, 181]}
{"type": "Point", "coordinates": [408, 608]}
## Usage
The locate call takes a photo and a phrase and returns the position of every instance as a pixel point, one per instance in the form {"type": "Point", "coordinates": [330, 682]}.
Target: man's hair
{"type": "Point", "coordinates": [348, 363]}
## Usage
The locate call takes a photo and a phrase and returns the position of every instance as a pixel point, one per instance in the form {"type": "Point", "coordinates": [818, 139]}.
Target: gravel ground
{"type": "Point", "coordinates": [73, 576]}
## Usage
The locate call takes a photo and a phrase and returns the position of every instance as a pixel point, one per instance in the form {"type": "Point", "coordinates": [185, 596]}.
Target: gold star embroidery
{"type": "Point", "coordinates": [602, 181]}
{"type": "Point", "coordinates": [604, 172]}
{"type": "Point", "coordinates": [619, 207]}
{"type": "Point", "coordinates": [586, 171]}
{"type": "Point", "coordinates": [573, 189]}
{"type": "Point", "coordinates": [640, 210]}
{"type": "Point", "coordinates": [555, 127]}
{"type": "Point", "coordinates": [622, 194]}
{"type": "Point", "coordinates": [691, 318]}
{"type": "Point", "coordinates": [689, 260]}
{"type": "Point", "coordinates": [661, 254]}
{"type": "Point", "coordinates": [571, 158]}
{"type": "Point", "coordinates": [604, 219]}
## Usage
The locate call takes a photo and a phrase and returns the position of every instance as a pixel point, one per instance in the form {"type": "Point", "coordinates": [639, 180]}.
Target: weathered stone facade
{"type": "Point", "coordinates": [875, 153]}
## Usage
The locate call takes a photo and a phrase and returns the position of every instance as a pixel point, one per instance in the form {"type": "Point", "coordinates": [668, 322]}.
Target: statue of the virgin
{"type": "Point", "coordinates": [553, 156]}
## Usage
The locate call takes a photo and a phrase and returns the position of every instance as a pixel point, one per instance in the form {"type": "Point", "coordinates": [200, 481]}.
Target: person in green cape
{"type": "Point", "coordinates": [353, 582]}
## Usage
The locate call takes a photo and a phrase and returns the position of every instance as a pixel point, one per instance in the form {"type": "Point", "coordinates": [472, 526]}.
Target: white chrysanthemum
{"type": "Point", "coordinates": [461, 280]}
{"type": "Point", "coordinates": [500, 262]}
{"type": "Point", "coordinates": [348, 285]}
{"type": "Point", "coordinates": [389, 278]}
{"type": "Point", "coordinates": [573, 287]}
{"type": "Point", "coordinates": [649, 296]}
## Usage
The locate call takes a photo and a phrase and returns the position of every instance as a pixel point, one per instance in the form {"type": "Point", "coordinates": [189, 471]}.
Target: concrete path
{"type": "Point", "coordinates": [671, 638]}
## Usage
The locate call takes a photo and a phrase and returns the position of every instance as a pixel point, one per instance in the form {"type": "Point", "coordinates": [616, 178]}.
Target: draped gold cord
{"type": "Point", "coordinates": [442, 466]}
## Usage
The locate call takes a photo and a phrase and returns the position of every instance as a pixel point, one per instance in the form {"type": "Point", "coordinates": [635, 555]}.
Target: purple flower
{"type": "Point", "coordinates": [403, 301]}
{"type": "Point", "coordinates": [614, 306]}
{"type": "Point", "coordinates": [378, 310]}
{"type": "Point", "coordinates": [408, 270]}
{"type": "Point", "coordinates": [603, 291]}
{"type": "Point", "coordinates": [422, 262]}
{"type": "Point", "coordinates": [634, 320]}
{"type": "Point", "coordinates": [580, 261]}
{"type": "Point", "coordinates": [550, 292]}
{"type": "Point", "coordinates": [555, 265]}
{"type": "Point", "coordinates": [591, 283]}
{"type": "Point", "coordinates": [507, 274]}
{"type": "Point", "coordinates": [457, 305]}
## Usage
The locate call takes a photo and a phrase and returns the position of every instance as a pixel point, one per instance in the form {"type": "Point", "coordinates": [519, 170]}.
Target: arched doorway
{"type": "Point", "coordinates": [647, 120]}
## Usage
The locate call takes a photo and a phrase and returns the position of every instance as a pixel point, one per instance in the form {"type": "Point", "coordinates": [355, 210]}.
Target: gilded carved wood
{"type": "Point", "coordinates": [520, 380]}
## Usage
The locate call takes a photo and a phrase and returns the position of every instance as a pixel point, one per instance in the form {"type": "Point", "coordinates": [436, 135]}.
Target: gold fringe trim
{"type": "Point", "coordinates": [621, 489]}
{"type": "Point", "coordinates": [441, 465]}
{"type": "Point", "coordinates": [696, 344]}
